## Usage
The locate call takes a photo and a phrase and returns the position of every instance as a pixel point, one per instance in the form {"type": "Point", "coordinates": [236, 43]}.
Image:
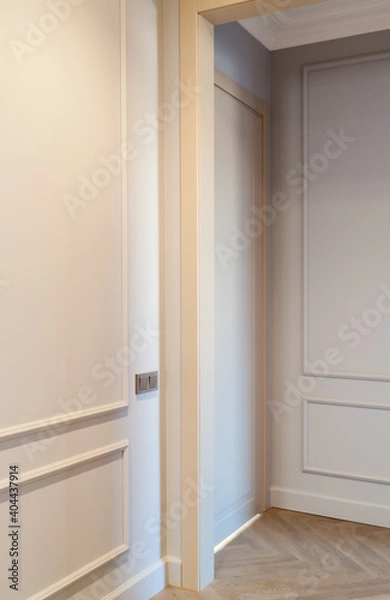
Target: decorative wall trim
{"type": "Point", "coordinates": [336, 508]}
{"type": "Point", "coordinates": [318, 23]}
{"type": "Point", "coordinates": [312, 469]}
{"type": "Point", "coordinates": [67, 464]}
{"type": "Point", "coordinates": [16, 431]}
{"type": "Point", "coordinates": [60, 421]}
{"type": "Point", "coordinates": [121, 448]}
{"type": "Point", "coordinates": [306, 253]}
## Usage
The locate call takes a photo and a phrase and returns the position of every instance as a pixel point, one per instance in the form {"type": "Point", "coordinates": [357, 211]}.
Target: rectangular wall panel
{"type": "Point", "coordinates": [347, 211]}
{"type": "Point", "coordinates": [62, 316]}
{"type": "Point", "coordinates": [348, 440]}
{"type": "Point", "coordinates": [78, 512]}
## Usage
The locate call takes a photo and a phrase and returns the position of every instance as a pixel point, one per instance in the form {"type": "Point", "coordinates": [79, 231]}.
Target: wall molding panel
{"type": "Point", "coordinates": [67, 464]}
{"type": "Point", "coordinates": [117, 405]}
{"type": "Point", "coordinates": [84, 191]}
{"type": "Point", "coordinates": [121, 450]}
{"type": "Point", "coordinates": [310, 468]}
{"type": "Point", "coordinates": [60, 421]}
{"type": "Point", "coordinates": [307, 359]}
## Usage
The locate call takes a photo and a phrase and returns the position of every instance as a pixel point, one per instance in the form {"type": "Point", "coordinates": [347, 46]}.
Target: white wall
{"type": "Point", "coordinates": [96, 482]}
{"type": "Point", "coordinates": [329, 432]}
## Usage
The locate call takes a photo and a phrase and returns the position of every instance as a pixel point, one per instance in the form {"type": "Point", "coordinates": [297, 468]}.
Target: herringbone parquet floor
{"type": "Point", "coordinates": [289, 556]}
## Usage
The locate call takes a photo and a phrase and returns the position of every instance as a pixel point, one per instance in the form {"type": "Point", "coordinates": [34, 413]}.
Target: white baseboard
{"type": "Point", "coordinates": [236, 533]}
{"type": "Point", "coordinates": [173, 571]}
{"type": "Point", "coordinates": [143, 586]}
{"type": "Point", "coordinates": [150, 582]}
{"type": "Point", "coordinates": [228, 522]}
{"type": "Point", "coordinates": [336, 508]}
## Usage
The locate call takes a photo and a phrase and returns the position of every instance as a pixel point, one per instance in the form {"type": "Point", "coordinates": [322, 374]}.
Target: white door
{"type": "Point", "coordinates": [238, 200]}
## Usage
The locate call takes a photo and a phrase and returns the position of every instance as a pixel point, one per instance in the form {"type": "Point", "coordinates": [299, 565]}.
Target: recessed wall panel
{"type": "Point", "coordinates": [61, 312]}
{"type": "Point", "coordinates": [347, 212]}
{"type": "Point", "coordinates": [72, 519]}
{"type": "Point", "coordinates": [338, 440]}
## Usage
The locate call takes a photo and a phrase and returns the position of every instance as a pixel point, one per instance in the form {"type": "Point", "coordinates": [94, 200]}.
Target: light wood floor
{"type": "Point", "coordinates": [288, 556]}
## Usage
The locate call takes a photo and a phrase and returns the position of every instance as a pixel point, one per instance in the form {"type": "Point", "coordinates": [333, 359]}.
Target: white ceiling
{"type": "Point", "coordinates": [319, 22]}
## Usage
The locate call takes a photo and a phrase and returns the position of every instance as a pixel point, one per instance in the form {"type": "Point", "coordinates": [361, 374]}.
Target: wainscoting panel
{"type": "Point", "coordinates": [330, 402]}
{"type": "Point", "coordinates": [63, 228]}
{"type": "Point", "coordinates": [78, 509]}
{"type": "Point", "coordinates": [349, 440]}
{"type": "Point", "coordinates": [346, 189]}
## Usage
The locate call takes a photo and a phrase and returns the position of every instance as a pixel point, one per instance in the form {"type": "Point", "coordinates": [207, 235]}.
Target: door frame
{"type": "Point", "coordinates": [197, 20]}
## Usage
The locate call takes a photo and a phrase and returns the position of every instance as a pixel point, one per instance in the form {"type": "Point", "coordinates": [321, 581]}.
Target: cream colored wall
{"type": "Point", "coordinates": [80, 253]}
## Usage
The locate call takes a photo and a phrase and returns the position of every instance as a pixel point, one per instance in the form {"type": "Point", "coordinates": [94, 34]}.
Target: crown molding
{"type": "Point", "coordinates": [321, 22]}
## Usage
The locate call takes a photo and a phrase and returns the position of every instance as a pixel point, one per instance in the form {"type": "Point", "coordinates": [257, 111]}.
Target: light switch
{"type": "Point", "coordinates": [146, 382]}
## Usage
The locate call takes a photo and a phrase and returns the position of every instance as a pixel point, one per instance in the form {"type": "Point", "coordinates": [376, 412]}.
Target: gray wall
{"type": "Point", "coordinates": [242, 58]}
{"type": "Point", "coordinates": [346, 260]}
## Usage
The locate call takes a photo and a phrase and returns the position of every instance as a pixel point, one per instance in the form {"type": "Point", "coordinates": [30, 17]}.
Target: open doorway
{"type": "Point", "coordinates": [307, 458]}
